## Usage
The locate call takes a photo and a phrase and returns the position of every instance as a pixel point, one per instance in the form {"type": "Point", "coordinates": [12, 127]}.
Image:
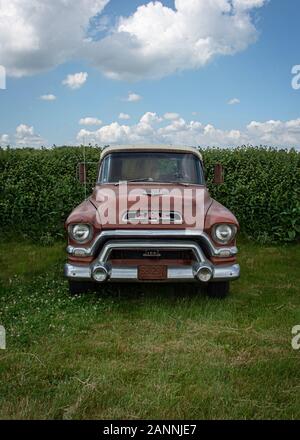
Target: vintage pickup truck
{"type": "Point", "coordinates": [150, 218]}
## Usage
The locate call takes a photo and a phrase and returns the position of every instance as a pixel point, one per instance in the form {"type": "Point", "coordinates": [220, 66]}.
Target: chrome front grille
{"type": "Point", "coordinates": [146, 216]}
{"type": "Point", "coordinates": [136, 249]}
{"type": "Point", "coordinates": [153, 254]}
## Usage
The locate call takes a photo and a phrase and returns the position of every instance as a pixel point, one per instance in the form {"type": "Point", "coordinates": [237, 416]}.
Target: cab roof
{"type": "Point", "coordinates": [162, 148]}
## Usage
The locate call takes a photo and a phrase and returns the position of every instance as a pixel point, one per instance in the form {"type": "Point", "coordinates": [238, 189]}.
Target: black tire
{"type": "Point", "coordinates": [218, 290]}
{"type": "Point", "coordinates": [77, 287]}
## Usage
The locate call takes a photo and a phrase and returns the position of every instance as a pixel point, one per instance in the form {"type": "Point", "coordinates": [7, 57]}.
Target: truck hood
{"type": "Point", "coordinates": [115, 203]}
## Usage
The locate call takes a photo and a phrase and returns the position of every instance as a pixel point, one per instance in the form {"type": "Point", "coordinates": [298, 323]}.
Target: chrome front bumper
{"type": "Point", "coordinates": [175, 273]}
{"type": "Point", "coordinates": [130, 273]}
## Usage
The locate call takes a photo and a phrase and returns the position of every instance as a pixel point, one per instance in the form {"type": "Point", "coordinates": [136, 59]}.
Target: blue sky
{"type": "Point", "coordinates": [257, 76]}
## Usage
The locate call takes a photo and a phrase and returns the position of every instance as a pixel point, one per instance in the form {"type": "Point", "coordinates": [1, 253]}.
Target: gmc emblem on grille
{"type": "Point", "coordinates": [152, 253]}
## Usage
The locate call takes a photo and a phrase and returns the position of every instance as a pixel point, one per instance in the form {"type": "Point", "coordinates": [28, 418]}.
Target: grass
{"type": "Point", "coordinates": [148, 352]}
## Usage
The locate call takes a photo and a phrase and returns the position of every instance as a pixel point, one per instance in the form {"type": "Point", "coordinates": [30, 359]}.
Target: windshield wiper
{"type": "Point", "coordinates": [176, 183]}
{"type": "Point", "coordinates": [144, 179]}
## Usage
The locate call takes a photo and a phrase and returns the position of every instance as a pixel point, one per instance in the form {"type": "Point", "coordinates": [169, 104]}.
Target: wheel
{"type": "Point", "coordinates": [77, 287]}
{"type": "Point", "coordinates": [218, 290]}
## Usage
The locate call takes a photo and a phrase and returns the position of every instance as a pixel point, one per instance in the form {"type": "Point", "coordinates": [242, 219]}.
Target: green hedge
{"type": "Point", "coordinates": [262, 188]}
{"type": "Point", "coordinates": [39, 189]}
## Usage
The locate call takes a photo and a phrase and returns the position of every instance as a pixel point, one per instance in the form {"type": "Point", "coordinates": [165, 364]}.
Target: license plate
{"type": "Point", "coordinates": [153, 273]}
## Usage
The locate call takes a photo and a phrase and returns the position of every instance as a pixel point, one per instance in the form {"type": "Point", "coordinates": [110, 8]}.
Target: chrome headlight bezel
{"type": "Point", "coordinates": [219, 230]}
{"type": "Point", "coordinates": [75, 228]}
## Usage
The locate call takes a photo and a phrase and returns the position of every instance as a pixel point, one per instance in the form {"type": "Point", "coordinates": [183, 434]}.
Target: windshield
{"type": "Point", "coordinates": [165, 167]}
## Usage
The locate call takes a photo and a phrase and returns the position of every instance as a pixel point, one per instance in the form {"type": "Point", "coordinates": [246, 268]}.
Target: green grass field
{"type": "Point", "coordinates": [149, 352]}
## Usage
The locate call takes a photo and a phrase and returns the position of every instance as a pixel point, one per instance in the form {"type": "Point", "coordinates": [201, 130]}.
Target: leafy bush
{"type": "Point", "coordinates": [262, 188]}
{"type": "Point", "coordinates": [39, 189]}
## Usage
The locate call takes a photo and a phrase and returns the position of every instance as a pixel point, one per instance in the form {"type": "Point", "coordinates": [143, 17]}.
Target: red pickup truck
{"type": "Point", "coordinates": [150, 218]}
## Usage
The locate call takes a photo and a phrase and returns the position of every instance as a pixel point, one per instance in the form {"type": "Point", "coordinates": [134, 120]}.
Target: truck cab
{"type": "Point", "coordinates": [150, 219]}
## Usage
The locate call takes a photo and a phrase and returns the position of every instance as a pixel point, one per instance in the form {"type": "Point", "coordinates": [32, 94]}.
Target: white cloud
{"type": "Point", "coordinates": [25, 137]}
{"type": "Point", "coordinates": [234, 101]}
{"type": "Point", "coordinates": [4, 139]}
{"type": "Point", "coordinates": [248, 4]}
{"type": "Point", "coordinates": [133, 97]}
{"type": "Point", "coordinates": [37, 35]}
{"type": "Point", "coordinates": [156, 40]}
{"type": "Point", "coordinates": [276, 132]}
{"type": "Point", "coordinates": [112, 133]}
{"type": "Point", "coordinates": [48, 97]}
{"type": "Point", "coordinates": [153, 129]}
{"type": "Point", "coordinates": [150, 118]}
{"type": "Point", "coordinates": [171, 116]}
{"type": "Point", "coordinates": [124, 116]}
{"type": "Point", "coordinates": [75, 81]}
{"type": "Point", "coordinates": [90, 121]}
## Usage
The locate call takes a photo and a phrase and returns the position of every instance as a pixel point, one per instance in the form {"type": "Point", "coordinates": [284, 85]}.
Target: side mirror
{"type": "Point", "coordinates": [81, 172]}
{"type": "Point", "coordinates": [218, 174]}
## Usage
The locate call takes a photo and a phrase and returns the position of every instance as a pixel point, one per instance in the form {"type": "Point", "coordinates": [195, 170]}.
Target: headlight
{"type": "Point", "coordinates": [224, 234]}
{"type": "Point", "coordinates": [80, 233]}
